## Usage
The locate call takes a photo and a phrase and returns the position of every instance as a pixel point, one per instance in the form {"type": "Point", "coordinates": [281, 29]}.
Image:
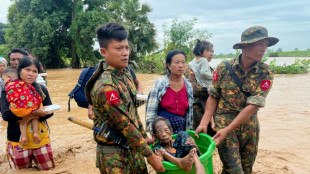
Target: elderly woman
{"type": "Point", "coordinates": [41, 153]}
{"type": "Point", "coordinates": [172, 96]}
{"type": "Point", "coordinates": [200, 74]}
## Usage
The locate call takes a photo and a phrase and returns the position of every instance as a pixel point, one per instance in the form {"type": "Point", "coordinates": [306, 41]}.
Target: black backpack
{"type": "Point", "coordinates": [78, 92]}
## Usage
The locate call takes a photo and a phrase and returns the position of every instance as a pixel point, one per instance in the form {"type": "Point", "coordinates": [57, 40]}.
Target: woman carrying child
{"type": "Point", "coordinates": [200, 74]}
{"type": "Point", "coordinates": [38, 150]}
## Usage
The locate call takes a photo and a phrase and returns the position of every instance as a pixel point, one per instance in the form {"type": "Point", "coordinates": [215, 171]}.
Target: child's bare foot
{"type": "Point", "coordinates": [24, 141]}
{"type": "Point", "coordinates": [36, 138]}
{"type": "Point", "coordinates": [186, 163]}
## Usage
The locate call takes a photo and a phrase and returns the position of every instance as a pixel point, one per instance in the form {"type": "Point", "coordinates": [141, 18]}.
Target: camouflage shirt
{"type": "Point", "coordinates": [257, 81]}
{"type": "Point", "coordinates": [113, 98]}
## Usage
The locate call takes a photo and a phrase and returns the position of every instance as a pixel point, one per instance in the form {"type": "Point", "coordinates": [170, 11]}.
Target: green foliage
{"type": "Point", "coordinates": [40, 26]}
{"type": "Point", "coordinates": [299, 67]}
{"type": "Point", "coordinates": [4, 50]}
{"type": "Point", "coordinates": [295, 53]}
{"type": "Point", "coordinates": [62, 31]}
{"type": "Point", "coordinates": [133, 16]}
{"type": "Point", "coordinates": [274, 54]}
{"type": "Point", "coordinates": [153, 63]}
{"type": "Point", "coordinates": [3, 27]}
{"type": "Point", "coordinates": [182, 35]}
{"type": "Point", "coordinates": [230, 55]}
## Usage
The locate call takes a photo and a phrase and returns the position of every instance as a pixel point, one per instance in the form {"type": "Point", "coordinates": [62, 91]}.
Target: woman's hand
{"type": "Point", "coordinates": [41, 112]}
{"type": "Point", "coordinates": [191, 142]}
{"type": "Point", "coordinates": [160, 152]}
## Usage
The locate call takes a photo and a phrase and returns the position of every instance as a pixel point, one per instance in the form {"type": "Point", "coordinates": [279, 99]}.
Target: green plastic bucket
{"type": "Point", "coordinates": [205, 145]}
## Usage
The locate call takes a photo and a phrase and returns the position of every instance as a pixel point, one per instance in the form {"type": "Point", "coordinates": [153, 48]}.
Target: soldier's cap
{"type": "Point", "coordinates": [254, 34]}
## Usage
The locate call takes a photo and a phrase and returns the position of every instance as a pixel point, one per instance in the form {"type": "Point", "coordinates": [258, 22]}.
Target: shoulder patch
{"type": "Point", "coordinates": [215, 76]}
{"type": "Point", "coordinates": [112, 97]}
{"type": "Point", "coordinates": [265, 85]}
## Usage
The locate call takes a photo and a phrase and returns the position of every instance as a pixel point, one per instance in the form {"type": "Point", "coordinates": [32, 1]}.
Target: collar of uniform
{"type": "Point", "coordinates": [237, 63]}
{"type": "Point", "coordinates": [114, 70]}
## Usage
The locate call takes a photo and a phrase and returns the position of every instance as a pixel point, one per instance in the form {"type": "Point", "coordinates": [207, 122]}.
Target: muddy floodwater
{"type": "Point", "coordinates": [284, 138]}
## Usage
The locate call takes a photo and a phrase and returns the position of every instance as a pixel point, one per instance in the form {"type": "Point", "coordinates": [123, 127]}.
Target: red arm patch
{"type": "Point", "coordinates": [112, 97]}
{"type": "Point", "coordinates": [215, 76]}
{"type": "Point", "coordinates": [265, 85]}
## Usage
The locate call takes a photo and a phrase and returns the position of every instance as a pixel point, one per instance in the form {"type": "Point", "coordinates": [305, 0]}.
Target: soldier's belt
{"type": "Point", "coordinates": [110, 149]}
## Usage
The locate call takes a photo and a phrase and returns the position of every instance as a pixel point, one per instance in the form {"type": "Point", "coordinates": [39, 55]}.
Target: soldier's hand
{"type": "Point", "coordinates": [220, 135]}
{"type": "Point", "coordinates": [156, 162]}
{"type": "Point", "coordinates": [201, 128]}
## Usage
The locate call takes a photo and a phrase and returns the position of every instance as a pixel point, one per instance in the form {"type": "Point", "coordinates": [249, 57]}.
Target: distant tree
{"type": "Point", "coordinates": [133, 16]}
{"type": "Point", "coordinates": [3, 27]}
{"type": "Point", "coordinates": [59, 30]}
{"type": "Point", "coordinates": [182, 35]}
{"type": "Point", "coordinates": [4, 50]}
{"type": "Point", "coordinates": [279, 50]}
{"type": "Point", "coordinates": [296, 49]}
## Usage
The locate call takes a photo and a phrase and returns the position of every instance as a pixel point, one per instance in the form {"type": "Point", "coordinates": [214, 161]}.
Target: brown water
{"type": "Point", "coordinates": [284, 140]}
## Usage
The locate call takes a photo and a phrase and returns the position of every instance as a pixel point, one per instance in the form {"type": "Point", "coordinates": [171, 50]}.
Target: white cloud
{"type": "Point", "coordinates": [286, 19]}
{"type": "Point", "coordinates": [4, 10]}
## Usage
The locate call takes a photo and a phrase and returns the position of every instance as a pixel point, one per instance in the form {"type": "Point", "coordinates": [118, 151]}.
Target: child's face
{"type": "Point", "coordinates": [208, 54]}
{"type": "Point", "coordinates": [117, 53]}
{"type": "Point", "coordinates": [5, 78]}
{"type": "Point", "coordinates": [163, 133]}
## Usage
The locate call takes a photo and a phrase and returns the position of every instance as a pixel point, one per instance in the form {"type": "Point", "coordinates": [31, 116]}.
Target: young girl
{"type": "Point", "coordinates": [182, 151]}
{"type": "Point", "coordinates": [23, 99]}
{"type": "Point", "coordinates": [204, 53]}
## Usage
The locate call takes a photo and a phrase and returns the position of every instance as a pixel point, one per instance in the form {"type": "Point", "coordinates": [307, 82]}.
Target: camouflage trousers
{"type": "Point", "coordinates": [239, 149]}
{"type": "Point", "coordinates": [114, 160]}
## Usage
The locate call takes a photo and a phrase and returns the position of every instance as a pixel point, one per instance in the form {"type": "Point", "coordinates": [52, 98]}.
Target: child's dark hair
{"type": "Point", "coordinates": [201, 46]}
{"type": "Point", "coordinates": [10, 71]}
{"type": "Point", "coordinates": [109, 31]}
{"type": "Point", "coordinates": [169, 58]}
{"type": "Point", "coordinates": [17, 50]}
{"type": "Point", "coordinates": [26, 62]}
{"type": "Point", "coordinates": [156, 120]}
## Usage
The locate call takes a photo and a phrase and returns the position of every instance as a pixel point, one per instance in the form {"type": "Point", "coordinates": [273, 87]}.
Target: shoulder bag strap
{"type": "Point", "coordinates": [236, 79]}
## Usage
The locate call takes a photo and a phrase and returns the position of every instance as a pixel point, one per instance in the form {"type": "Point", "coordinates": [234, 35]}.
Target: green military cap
{"type": "Point", "coordinates": [254, 34]}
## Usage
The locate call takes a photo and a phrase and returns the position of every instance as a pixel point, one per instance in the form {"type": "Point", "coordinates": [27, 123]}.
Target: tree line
{"type": "Point", "coordinates": [63, 31]}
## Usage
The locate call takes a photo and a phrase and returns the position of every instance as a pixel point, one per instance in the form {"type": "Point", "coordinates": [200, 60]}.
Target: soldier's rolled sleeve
{"type": "Point", "coordinates": [215, 89]}
{"type": "Point", "coordinates": [119, 116]}
{"type": "Point", "coordinates": [258, 97]}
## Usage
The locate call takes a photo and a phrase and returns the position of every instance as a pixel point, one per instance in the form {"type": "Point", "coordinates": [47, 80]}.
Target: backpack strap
{"type": "Point", "coordinates": [92, 80]}
{"type": "Point", "coordinates": [236, 79]}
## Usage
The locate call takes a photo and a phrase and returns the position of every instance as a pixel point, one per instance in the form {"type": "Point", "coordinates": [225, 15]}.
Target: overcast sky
{"type": "Point", "coordinates": [288, 20]}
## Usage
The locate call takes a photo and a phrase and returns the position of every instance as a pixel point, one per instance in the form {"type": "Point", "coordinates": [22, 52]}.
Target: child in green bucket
{"type": "Point", "coordinates": [182, 151]}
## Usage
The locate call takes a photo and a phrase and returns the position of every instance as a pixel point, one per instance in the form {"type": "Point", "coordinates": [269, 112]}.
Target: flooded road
{"type": "Point", "coordinates": [284, 139]}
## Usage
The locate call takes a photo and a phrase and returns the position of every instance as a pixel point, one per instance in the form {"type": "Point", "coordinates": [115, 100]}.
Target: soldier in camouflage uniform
{"type": "Point", "coordinates": [235, 114]}
{"type": "Point", "coordinates": [112, 93]}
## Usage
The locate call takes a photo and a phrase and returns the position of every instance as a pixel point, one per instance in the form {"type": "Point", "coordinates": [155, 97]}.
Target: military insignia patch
{"type": "Point", "coordinates": [265, 85]}
{"type": "Point", "coordinates": [215, 76]}
{"type": "Point", "coordinates": [112, 97]}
